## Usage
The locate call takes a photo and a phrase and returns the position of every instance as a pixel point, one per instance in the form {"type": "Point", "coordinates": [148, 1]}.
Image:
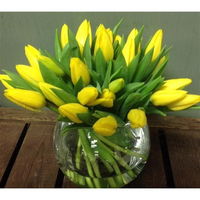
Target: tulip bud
{"type": "Point", "coordinates": [137, 118]}
{"type": "Point", "coordinates": [28, 99]}
{"type": "Point", "coordinates": [129, 48]}
{"type": "Point", "coordinates": [79, 69]}
{"type": "Point", "coordinates": [49, 94]}
{"type": "Point", "coordinates": [29, 74]}
{"type": "Point", "coordinates": [87, 95]}
{"type": "Point", "coordinates": [188, 101]}
{"type": "Point", "coordinates": [165, 97]}
{"type": "Point", "coordinates": [105, 126]}
{"type": "Point", "coordinates": [83, 32]}
{"type": "Point", "coordinates": [118, 38]}
{"type": "Point", "coordinates": [71, 110]}
{"type": "Point", "coordinates": [156, 43]}
{"type": "Point", "coordinates": [4, 78]}
{"type": "Point", "coordinates": [176, 84]}
{"type": "Point", "coordinates": [106, 99]}
{"type": "Point", "coordinates": [104, 42]}
{"type": "Point", "coordinates": [116, 85]}
{"type": "Point", "coordinates": [64, 35]}
{"type": "Point", "coordinates": [33, 56]}
{"type": "Point", "coordinates": [51, 65]}
{"type": "Point", "coordinates": [110, 33]}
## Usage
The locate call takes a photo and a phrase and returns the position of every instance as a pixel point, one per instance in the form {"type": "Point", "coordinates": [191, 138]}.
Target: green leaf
{"type": "Point", "coordinates": [158, 69]}
{"type": "Point", "coordinates": [115, 29]}
{"type": "Point", "coordinates": [57, 46]}
{"type": "Point", "coordinates": [151, 85]}
{"type": "Point", "coordinates": [86, 118]}
{"type": "Point", "coordinates": [73, 44]}
{"type": "Point", "coordinates": [51, 78]}
{"type": "Point", "coordinates": [119, 62]}
{"type": "Point", "coordinates": [65, 96]}
{"type": "Point", "coordinates": [65, 59]}
{"type": "Point", "coordinates": [98, 87]}
{"type": "Point", "coordinates": [108, 74]}
{"type": "Point", "coordinates": [117, 73]}
{"type": "Point", "coordinates": [63, 119]}
{"type": "Point", "coordinates": [138, 38]}
{"type": "Point", "coordinates": [100, 64]}
{"type": "Point", "coordinates": [95, 76]}
{"type": "Point", "coordinates": [154, 110]}
{"type": "Point", "coordinates": [143, 66]}
{"type": "Point", "coordinates": [78, 86]}
{"type": "Point", "coordinates": [18, 82]}
{"type": "Point", "coordinates": [132, 67]}
{"type": "Point", "coordinates": [129, 103]}
{"type": "Point", "coordinates": [87, 53]}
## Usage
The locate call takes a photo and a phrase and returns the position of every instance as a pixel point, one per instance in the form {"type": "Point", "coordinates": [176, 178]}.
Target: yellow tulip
{"type": "Point", "coordinates": [188, 101]}
{"type": "Point", "coordinates": [118, 38]}
{"type": "Point", "coordinates": [51, 65]}
{"type": "Point", "coordinates": [105, 126]}
{"type": "Point", "coordinates": [79, 69]}
{"type": "Point", "coordinates": [104, 42]}
{"type": "Point", "coordinates": [71, 110]}
{"type": "Point", "coordinates": [64, 35]}
{"type": "Point", "coordinates": [87, 95]}
{"type": "Point", "coordinates": [166, 97]}
{"type": "Point", "coordinates": [116, 85]}
{"type": "Point", "coordinates": [106, 99]}
{"type": "Point", "coordinates": [176, 84]}
{"type": "Point", "coordinates": [83, 32]}
{"type": "Point", "coordinates": [137, 118]}
{"type": "Point", "coordinates": [156, 43]}
{"type": "Point", "coordinates": [129, 48]}
{"type": "Point", "coordinates": [4, 78]}
{"type": "Point", "coordinates": [49, 94]}
{"type": "Point", "coordinates": [29, 74]}
{"type": "Point", "coordinates": [28, 99]}
{"type": "Point", "coordinates": [34, 56]}
{"type": "Point", "coordinates": [110, 33]}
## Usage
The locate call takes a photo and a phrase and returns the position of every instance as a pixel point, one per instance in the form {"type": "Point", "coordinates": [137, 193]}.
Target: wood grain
{"type": "Point", "coordinates": [184, 153]}
{"type": "Point", "coordinates": [154, 168]}
{"type": "Point", "coordinates": [9, 135]}
{"type": "Point", "coordinates": [35, 165]}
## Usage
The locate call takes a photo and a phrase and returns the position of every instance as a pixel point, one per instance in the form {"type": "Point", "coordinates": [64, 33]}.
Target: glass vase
{"type": "Point", "coordinates": [91, 160]}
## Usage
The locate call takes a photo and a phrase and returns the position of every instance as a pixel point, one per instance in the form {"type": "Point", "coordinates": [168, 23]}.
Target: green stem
{"type": "Point", "coordinates": [89, 167]}
{"type": "Point", "coordinates": [118, 148]}
{"type": "Point", "coordinates": [89, 182]}
{"type": "Point", "coordinates": [107, 165]}
{"type": "Point", "coordinates": [112, 182]}
{"type": "Point", "coordinates": [78, 155]}
{"type": "Point", "coordinates": [89, 152]}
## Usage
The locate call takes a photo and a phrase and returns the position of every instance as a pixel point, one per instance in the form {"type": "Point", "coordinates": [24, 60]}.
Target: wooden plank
{"type": "Point", "coordinates": [35, 165]}
{"type": "Point", "coordinates": [26, 115]}
{"type": "Point", "coordinates": [153, 174]}
{"type": "Point", "coordinates": [184, 153]}
{"type": "Point", "coordinates": [9, 135]}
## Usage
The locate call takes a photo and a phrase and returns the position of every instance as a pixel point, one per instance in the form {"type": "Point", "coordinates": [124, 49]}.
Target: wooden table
{"type": "Point", "coordinates": [27, 157]}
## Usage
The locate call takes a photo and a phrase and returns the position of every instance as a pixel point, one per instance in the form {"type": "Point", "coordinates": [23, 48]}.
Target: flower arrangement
{"type": "Point", "coordinates": [100, 82]}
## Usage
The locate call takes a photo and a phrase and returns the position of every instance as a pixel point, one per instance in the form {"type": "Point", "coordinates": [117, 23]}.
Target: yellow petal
{"type": "Point", "coordinates": [71, 110]}
{"type": "Point", "coordinates": [4, 78]}
{"type": "Point", "coordinates": [188, 101]}
{"type": "Point", "coordinates": [87, 95]}
{"type": "Point", "coordinates": [28, 99]}
{"type": "Point", "coordinates": [29, 74]}
{"type": "Point", "coordinates": [156, 43]}
{"type": "Point", "coordinates": [32, 55]}
{"type": "Point", "coordinates": [165, 97]}
{"type": "Point", "coordinates": [137, 118]}
{"type": "Point", "coordinates": [50, 64]}
{"type": "Point", "coordinates": [49, 94]}
{"type": "Point", "coordinates": [64, 35]}
{"type": "Point", "coordinates": [118, 38]}
{"type": "Point", "coordinates": [79, 69]}
{"type": "Point", "coordinates": [176, 84]}
{"type": "Point", "coordinates": [105, 126]}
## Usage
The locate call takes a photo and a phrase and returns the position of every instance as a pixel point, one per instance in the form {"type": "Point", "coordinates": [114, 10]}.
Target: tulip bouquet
{"type": "Point", "coordinates": [99, 82]}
